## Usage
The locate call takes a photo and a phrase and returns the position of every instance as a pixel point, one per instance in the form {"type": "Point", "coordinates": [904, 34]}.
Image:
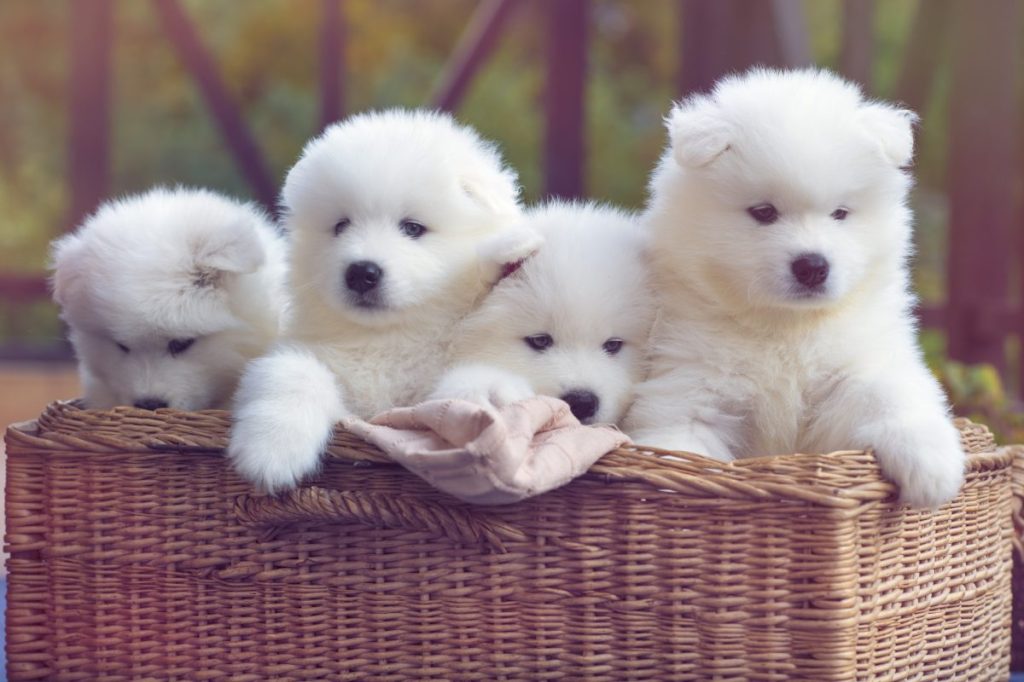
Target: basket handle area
{"type": "Point", "coordinates": [1017, 485]}
{"type": "Point", "coordinates": [379, 511]}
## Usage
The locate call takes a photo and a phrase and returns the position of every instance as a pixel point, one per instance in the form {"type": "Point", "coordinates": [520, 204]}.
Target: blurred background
{"type": "Point", "coordinates": [104, 97]}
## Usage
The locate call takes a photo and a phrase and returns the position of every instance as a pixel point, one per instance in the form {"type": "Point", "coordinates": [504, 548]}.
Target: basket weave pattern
{"type": "Point", "coordinates": [136, 553]}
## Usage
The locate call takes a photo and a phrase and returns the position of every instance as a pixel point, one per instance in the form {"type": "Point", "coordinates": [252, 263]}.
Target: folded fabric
{"type": "Point", "coordinates": [487, 456]}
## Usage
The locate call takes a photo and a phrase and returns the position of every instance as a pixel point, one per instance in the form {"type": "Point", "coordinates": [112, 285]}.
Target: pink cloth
{"type": "Point", "coordinates": [488, 456]}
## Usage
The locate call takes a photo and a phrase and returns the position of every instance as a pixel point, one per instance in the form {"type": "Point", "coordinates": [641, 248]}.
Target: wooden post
{"type": "Point", "coordinates": [923, 54]}
{"type": "Point", "coordinates": [728, 36]}
{"type": "Point", "coordinates": [476, 43]}
{"type": "Point", "coordinates": [91, 23]}
{"type": "Point", "coordinates": [858, 41]}
{"type": "Point", "coordinates": [332, 60]}
{"type": "Point", "coordinates": [983, 172]}
{"type": "Point", "coordinates": [199, 63]}
{"type": "Point", "coordinates": [791, 28]}
{"type": "Point", "coordinates": [564, 97]}
{"type": "Point", "coordinates": [706, 39]}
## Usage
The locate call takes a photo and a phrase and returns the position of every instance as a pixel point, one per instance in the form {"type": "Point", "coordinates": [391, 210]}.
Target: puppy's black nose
{"type": "Point", "coordinates": [150, 403]}
{"type": "Point", "coordinates": [363, 276]}
{"type": "Point", "coordinates": [810, 269]}
{"type": "Point", "coordinates": [583, 404]}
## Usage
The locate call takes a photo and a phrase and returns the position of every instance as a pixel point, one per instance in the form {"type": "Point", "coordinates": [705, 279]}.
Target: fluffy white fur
{"type": "Point", "coordinates": [146, 273]}
{"type": "Point", "coordinates": [585, 288]}
{"type": "Point", "coordinates": [350, 199]}
{"type": "Point", "coordinates": [746, 361]}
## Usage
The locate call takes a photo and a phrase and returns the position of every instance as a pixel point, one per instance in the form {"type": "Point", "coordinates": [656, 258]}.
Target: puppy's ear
{"type": "Point", "coordinates": [893, 129]}
{"type": "Point", "coordinates": [68, 268]}
{"type": "Point", "coordinates": [233, 249]}
{"type": "Point", "coordinates": [503, 253]}
{"type": "Point", "coordinates": [492, 193]}
{"type": "Point", "coordinates": [697, 132]}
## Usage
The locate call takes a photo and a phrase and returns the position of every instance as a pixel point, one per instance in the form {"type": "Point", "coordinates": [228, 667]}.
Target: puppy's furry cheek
{"type": "Point", "coordinates": [923, 457]}
{"type": "Point", "coordinates": [286, 408]}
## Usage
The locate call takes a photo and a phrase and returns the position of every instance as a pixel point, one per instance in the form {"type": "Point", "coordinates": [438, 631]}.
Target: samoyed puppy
{"type": "Point", "coordinates": [780, 237]}
{"type": "Point", "coordinates": [167, 295]}
{"type": "Point", "coordinates": [388, 213]}
{"type": "Point", "coordinates": [572, 322]}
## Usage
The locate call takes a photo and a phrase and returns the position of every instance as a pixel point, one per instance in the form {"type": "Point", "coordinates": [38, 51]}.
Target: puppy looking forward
{"type": "Point", "coordinates": [387, 213]}
{"type": "Point", "coordinates": [781, 234]}
{"type": "Point", "coordinates": [572, 322]}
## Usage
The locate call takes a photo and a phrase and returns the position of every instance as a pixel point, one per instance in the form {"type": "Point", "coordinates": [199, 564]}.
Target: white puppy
{"type": "Point", "coordinates": [167, 294]}
{"type": "Point", "coordinates": [387, 212]}
{"type": "Point", "coordinates": [572, 322]}
{"type": "Point", "coordinates": [780, 235]}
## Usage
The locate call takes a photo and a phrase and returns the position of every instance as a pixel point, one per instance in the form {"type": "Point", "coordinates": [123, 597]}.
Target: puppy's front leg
{"type": "Point", "coordinates": [483, 385]}
{"type": "Point", "coordinates": [901, 413]}
{"type": "Point", "coordinates": [677, 411]}
{"type": "Point", "coordinates": [285, 409]}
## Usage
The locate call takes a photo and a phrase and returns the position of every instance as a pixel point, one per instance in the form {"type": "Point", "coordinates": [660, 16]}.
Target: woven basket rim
{"type": "Point", "coordinates": [843, 480]}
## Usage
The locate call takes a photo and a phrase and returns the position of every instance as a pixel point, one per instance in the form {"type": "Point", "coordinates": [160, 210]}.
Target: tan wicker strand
{"type": "Point", "coordinates": [138, 554]}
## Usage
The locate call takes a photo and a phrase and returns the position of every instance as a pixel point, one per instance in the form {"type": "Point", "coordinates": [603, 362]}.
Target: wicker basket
{"type": "Point", "coordinates": [136, 553]}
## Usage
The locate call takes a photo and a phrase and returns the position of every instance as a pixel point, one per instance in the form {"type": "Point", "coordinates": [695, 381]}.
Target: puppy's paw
{"type": "Point", "coordinates": [286, 407]}
{"type": "Point", "coordinates": [483, 385]}
{"type": "Point", "coordinates": [272, 451]}
{"type": "Point", "coordinates": [924, 458]}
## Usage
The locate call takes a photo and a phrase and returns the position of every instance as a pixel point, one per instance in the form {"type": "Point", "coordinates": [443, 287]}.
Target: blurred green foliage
{"type": "Point", "coordinates": [395, 51]}
{"type": "Point", "coordinates": [977, 392]}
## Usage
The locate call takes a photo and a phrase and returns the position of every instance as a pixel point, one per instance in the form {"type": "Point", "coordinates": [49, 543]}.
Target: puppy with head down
{"type": "Point", "coordinates": [780, 233]}
{"type": "Point", "coordinates": [167, 295]}
{"type": "Point", "coordinates": [387, 213]}
{"type": "Point", "coordinates": [571, 322]}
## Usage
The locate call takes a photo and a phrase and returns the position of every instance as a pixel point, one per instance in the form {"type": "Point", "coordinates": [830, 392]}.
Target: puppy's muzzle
{"type": "Point", "coordinates": [582, 404]}
{"type": "Point", "coordinates": [363, 276]}
{"type": "Point", "coordinates": [810, 270]}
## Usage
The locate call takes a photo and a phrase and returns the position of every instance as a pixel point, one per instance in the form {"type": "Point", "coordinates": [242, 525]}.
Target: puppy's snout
{"type": "Point", "coordinates": [363, 276]}
{"type": "Point", "coordinates": [810, 269]}
{"type": "Point", "coordinates": [150, 403]}
{"type": "Point", "coordinates": [583, 404]}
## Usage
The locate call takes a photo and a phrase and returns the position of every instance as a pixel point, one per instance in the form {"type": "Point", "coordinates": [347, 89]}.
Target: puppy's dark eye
{"type": "Point", "coordinates": [539, 342]}
{"type": "Point", "coordinates": [179, 346]}
{"type": "Point", "coordinates": [613, 345]}
{"type": "Point", "coordinates": [840, 213]}
{"type": "Point", "coordinates": [413, 229]}
{"type": "Point", "coordinates": [124, 349]}
{"type": "Point", "coordinates": [766, 214]}
{"type": "Point", "coordinates": [340, 226]}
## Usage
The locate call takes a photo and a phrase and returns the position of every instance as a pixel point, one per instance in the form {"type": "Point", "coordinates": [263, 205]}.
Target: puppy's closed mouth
{"type": "Point", "coordinates": [370, 301]}
{"type": "Point", "coordinates": [800, 295]}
